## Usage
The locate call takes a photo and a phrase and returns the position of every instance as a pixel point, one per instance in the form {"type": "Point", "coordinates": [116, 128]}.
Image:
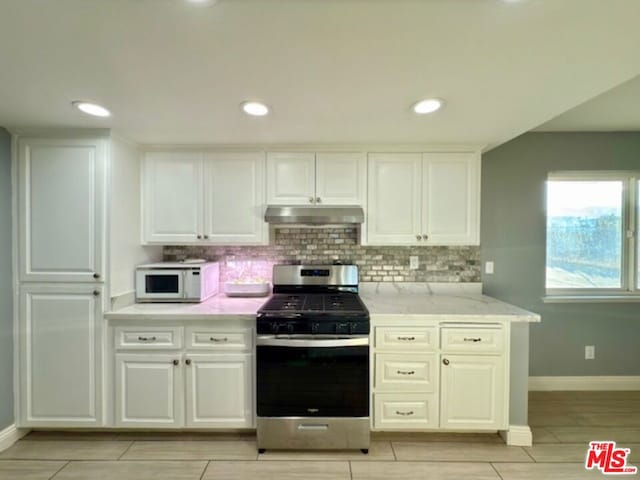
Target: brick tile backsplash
{"type": "Point", "coordinates": [327, 245]}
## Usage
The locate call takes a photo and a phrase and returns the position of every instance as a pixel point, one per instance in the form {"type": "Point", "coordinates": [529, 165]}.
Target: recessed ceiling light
{"type": "Point", "coordinates": [255, 108]}
{"type": "Point", "coordinates": [429, 105]}
{"type": "Point", "coordinates": [91, 108]}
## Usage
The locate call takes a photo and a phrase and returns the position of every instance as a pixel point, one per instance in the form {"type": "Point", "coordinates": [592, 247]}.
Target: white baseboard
{"type": "Point", "coordinates": [584, 383]}
{"type": "Point", "coordinates": [518, 436]}
{"type": "Point", "coordinates": [11, 435]}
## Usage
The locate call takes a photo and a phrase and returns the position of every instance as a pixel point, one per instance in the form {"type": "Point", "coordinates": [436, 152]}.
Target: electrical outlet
{"type": "Point", "coordinates": [589, 352]}
{"type": "Point", "coordinates": [414, 263]}
{"type": "Point", "coordinates": [488, 267]}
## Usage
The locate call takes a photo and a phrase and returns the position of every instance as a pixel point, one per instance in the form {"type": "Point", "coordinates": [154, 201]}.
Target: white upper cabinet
{"type": "Point", "coordinates": [203, 198]}
{"type": "Point", "coordinates": [234, 198]}
{"type": "Point", "coordinates": [173, 203]}
{"type": "Point", "coordinates": [424, 198]}
{"type": "Point", "coordinates": [332, 178]}
{"type": "Point", "coordinates": [62, 209]}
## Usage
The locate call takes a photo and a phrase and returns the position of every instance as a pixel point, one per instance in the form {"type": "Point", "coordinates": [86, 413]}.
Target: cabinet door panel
{"type": "Point", "coordinates": [61, 204]}
{"type": "Point", "coordinates": [394, 198]}
{"type": "Point", "coordinates": [290, 178]}
{"type": "Point", "coordinates": [473, 392]}
{"type": "Point", "coordinates": [451, 198]}
{"type": "Point", "coordinates": [172, 197]}
{"type": "Point", "coordinates": [234, 198]}
{"type": "Point", "coordinates": [219, 391]}
{"type": "Point", "coordinates": [60, 355]}
{"type": "Point", "coordinates": [148, 390]}
{"type": "Point", "coordinates": [340, 178]}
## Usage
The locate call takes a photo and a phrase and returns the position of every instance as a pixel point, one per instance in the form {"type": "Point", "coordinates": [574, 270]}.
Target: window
{"type": "Point", "coordinates": [592, 243]}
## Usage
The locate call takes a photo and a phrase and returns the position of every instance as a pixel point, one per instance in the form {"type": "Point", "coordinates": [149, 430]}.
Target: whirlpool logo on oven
{"type": "Point", "coordinates": [610, 460]}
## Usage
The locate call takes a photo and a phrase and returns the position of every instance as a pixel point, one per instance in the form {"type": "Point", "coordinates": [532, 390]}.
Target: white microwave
{"type": "Point", "coordinates": [176, 282]}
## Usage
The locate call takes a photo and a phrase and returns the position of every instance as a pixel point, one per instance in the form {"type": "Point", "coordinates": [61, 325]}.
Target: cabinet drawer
{"type": "Point", "coordinates": [394, 338]}
{"type": "Point", "coordinates": [217, 339]}
{"type": "Point", "coordinates": [477, 340]}
{"type": "Point", "coordinates": [416, 372]}
{"type": "Point", "coordinates": [151, 338]}
{"type": "Point", "coordinates": [405, 411]}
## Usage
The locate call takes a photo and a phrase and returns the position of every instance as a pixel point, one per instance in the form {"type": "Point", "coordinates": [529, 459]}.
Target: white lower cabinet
{"type": "Point", "coordinates": [219, 390]}
{"type": "Point", "coordinates": [472, 392]}
{"type": "Point", "coordinates": [160, 384]}
{"type": "Point", "coordinates": [440, 376]}
{"type": "Point", "coordinates": [60, 361]}
{"type": "Point", "coordinates": [148, 390]}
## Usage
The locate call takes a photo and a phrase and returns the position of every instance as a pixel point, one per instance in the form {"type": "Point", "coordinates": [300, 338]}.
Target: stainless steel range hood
{"type": "Point", "coordinates": [314, 215]}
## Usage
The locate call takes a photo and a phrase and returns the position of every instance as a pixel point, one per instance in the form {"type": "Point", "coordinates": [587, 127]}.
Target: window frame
{"type": "Point", "coordinates": [630, 288]}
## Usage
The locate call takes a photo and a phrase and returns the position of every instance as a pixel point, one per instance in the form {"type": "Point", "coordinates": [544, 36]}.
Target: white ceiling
{"type": "Point", "coordinates": [337, 71]}
{"type": "Point", "coordinates": [614, 111]}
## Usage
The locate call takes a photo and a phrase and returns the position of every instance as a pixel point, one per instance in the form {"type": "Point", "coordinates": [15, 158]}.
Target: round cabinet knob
{"type": "Point", "coordinates": [206, 237]}
{"type": "Point", "coordinates": [199, 237]}
{"type": "Point", "coordinates": [96, 275]}
{"type": "Point", "coordinates": [318, 200]}
{"type": "Point", "coordinates": [188, 361]}
{"type": "Point", "coordinates": [425, 236]}
{"type": "Point", "coordinates": [445, 361]}
{"type": "Point", "coordinates": [96, 293]}
{"type": "Point", "coordinates": [176, 362]}
{"type": "Point", "coordinates": [311, 199]}
{"type": "Point", "coordinates": [418, 237]}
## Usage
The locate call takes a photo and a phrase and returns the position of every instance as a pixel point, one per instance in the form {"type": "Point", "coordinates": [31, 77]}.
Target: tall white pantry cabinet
{"type": "Point", "coordinates": [61, 199]}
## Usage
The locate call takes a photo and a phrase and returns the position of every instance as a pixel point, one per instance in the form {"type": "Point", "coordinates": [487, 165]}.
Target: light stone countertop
{"type": "Point", "coordinates": [447, 302]}
{"type": "Point", "coordinates": [218, 307]}
{"type": "Point", "coordinates": [441, 302]}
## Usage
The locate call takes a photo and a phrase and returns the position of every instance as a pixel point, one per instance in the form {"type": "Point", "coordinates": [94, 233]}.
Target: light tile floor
{"type": "Point", "coordinates": [562, 423]}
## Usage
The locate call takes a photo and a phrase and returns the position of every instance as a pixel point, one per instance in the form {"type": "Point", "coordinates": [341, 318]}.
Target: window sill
{"type": "Point", "coordinates": [591, 298]}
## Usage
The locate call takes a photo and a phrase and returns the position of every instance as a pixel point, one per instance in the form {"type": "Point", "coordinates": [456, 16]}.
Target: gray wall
{"type": "Point", "coordinates": [6, 300]}
{"type": "Point", "coordinates": [513, 236]}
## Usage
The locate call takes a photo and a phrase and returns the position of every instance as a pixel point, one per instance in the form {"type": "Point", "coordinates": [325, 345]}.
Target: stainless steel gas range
{"type": "Point", "coordinates": [313, 361]}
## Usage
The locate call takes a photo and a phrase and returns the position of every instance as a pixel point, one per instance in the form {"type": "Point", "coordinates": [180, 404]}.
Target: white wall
{"type": "Point", "coordinates": [125, 249]}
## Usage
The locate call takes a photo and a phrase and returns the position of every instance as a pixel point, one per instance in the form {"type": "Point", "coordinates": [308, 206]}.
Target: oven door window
{"type": "Point", "coordinates": [313, 381]}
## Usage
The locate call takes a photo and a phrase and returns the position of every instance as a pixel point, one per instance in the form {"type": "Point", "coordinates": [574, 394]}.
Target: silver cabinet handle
{"type": "Point", "coordinates": [214, 339]}
{"type": "Point", "coordinates": [418, 237]}
{"type": "Point", "coordinates": [404, 414]}
{"type": "Point", "coordinates": [406, 372]}
{"type": "Point", "coordinates": [176, 362]}
{"type": "Point", "coordinates": [472, 339]}
{"type": "Point", "coordinates": [318, 200]}
{"type": "Point", "coordinates": [445, 361]}
{"type": "Point", "coordinates": [147, 339]}
{"type": "Point", "coordinates": [311, 200]}
{"type": "Point", "coordinates": [406, 339]}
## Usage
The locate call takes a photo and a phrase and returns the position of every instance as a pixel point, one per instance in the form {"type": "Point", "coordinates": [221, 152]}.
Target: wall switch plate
{"type": "Point", "coordinates": [414, 263]}
{"type": "Point", "coordinates": [589, 352]}
{"type": "Point", "coordinates": [488, 267]}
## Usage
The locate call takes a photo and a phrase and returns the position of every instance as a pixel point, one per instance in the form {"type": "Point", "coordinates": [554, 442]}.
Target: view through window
{"type": "Point", "coordinates": [591, 244]}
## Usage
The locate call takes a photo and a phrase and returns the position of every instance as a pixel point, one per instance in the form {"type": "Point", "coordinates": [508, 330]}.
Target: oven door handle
{"type": "Point", "coordinates": [273, 341]}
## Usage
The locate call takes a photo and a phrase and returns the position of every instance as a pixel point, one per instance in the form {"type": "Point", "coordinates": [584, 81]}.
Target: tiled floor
{"type": "Point", "coordinates": [562, 423]}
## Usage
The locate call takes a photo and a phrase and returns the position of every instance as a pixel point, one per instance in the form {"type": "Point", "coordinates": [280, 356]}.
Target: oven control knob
{"type": "Point", "coordinates": [275, 327]}
{"type": "Point", "coordinates": [289, 327]}
{"type": "Point", "coordinates": [315, 328]}
{"type": "Point", "coordinates": [352, 328]}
